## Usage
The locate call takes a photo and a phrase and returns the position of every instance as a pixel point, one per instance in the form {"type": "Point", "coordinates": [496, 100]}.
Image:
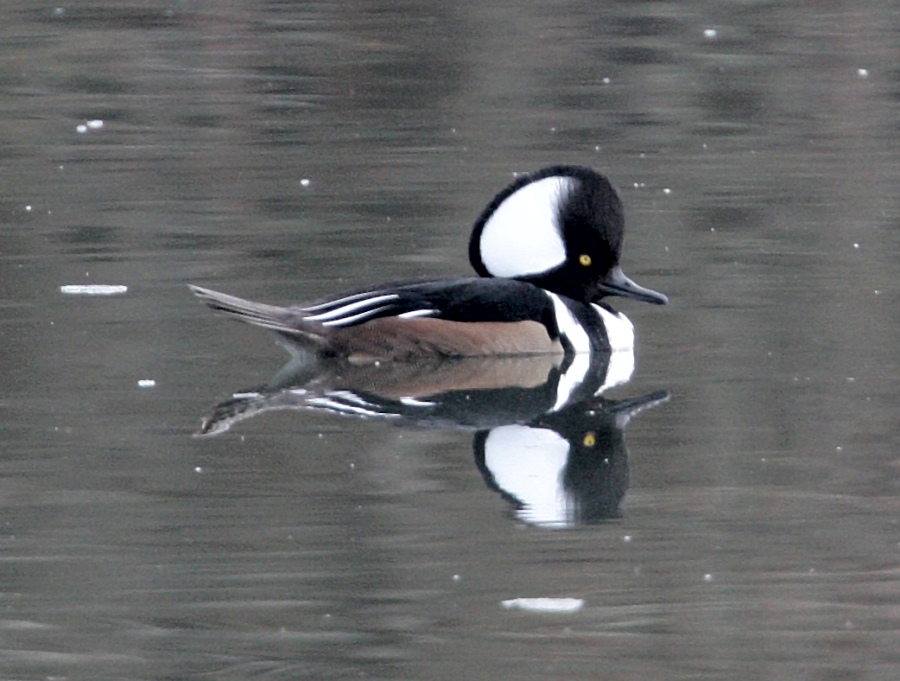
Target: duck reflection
{"type": "Point", "coordinates": [544, 438]}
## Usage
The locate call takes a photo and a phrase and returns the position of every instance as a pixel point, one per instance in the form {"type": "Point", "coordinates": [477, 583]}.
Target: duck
{"type": "Point", "coordinates": [547, 253]}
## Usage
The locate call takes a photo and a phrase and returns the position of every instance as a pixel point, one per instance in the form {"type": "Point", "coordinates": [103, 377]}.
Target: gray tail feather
{"type": "Point", "coordinates": [279, 319]}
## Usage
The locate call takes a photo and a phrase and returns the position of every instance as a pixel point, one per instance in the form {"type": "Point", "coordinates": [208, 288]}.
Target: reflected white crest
{"type": "Point", "coordinates": [527, 463]}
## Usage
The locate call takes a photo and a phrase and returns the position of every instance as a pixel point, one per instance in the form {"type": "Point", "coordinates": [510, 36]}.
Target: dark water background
{"type": "Point", "coordinates": [280, 151]}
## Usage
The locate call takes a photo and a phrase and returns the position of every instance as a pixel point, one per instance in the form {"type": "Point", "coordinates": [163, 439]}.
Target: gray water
{"type": "Point", "coordinates": [280, 151]}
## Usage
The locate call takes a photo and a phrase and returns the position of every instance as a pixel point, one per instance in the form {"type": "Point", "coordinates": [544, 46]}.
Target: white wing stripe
{"type": "Point", "coordinates": [355, 319]}
{"type": "Point", "coordinates": [331, 304]}
{"type": "Point", "coordinates": [417, 313]}
{"type": "Point", "coordinates": [341, 312]}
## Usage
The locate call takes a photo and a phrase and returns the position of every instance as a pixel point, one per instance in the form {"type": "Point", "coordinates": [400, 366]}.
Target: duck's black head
{"type": "Point", "coordinates": [560, 228]}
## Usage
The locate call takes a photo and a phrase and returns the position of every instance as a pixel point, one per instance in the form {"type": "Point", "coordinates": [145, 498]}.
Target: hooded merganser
{"type": "Point", "coordinates": [547, 249]}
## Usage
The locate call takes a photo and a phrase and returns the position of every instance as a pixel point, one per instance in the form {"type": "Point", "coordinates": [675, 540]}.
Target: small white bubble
{"type": "Point", "coordinates": [862, 73]}
{"type": "Point", "coordinates": [627, 538]}
{"type": "Point", "coordinates": [27, 209]}
{"type": "Point", "coordinates": [856, 246]}
{"type": "Point", "coordinates": [607, 80]}
{"type": "Point", "coordinates": [95, 124]}
{"type": "Point", "coordinates": [457, 578]}
{"type": "Point", "coordinates": [146, 383]}
{"type": "Point", "coordinates": [198, 469]}
{"type": "Point", "coordinates": [667, 191]}
{"type": "Point", "coordinates": [304, 182]}
{"type": "Point", "coordinates": [839, 449]}
{"type": "Point", "coordinates": [81, 128]}
{"type": "Point", "coordinates": [707, 578]}
{"type": "Point", "coordinates": [710, 33]}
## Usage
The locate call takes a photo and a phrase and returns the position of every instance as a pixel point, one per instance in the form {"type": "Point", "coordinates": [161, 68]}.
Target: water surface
{"type": "Point", "coordinates": [279, 152]}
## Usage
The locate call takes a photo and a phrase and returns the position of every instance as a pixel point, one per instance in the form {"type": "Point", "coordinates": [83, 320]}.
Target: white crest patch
{"type": "Point", "coordinates": [522, 236]}
{"type": "Point", "coordinates": [528, 464]}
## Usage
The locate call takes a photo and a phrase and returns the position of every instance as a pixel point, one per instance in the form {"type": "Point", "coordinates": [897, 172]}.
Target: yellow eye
{"type": "Point", "coordinates": [589, 439]}
{"type": "Point", "coordinates": [584, 259]}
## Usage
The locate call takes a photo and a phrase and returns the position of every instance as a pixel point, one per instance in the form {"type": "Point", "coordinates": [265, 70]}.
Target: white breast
{"type": "Point", "coordinates": [619, 328]}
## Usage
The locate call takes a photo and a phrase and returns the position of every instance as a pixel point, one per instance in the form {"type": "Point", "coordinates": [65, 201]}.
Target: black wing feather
{"type": "Point", "coordinates": [461, 300]}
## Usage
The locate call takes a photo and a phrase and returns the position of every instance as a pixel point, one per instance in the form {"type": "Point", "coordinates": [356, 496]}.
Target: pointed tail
{"type": "Point", "coordinates": [280, 319]}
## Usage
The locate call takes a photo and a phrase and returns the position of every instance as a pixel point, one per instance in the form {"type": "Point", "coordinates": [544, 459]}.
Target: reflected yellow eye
{"type": "Point", "coordinates": [589, 439]}
{"type": "Point", "coordinates": [584, 259]}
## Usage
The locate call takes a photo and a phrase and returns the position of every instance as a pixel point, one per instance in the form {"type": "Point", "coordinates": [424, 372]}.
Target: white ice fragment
{"type": "Point", "coordinates": [93, 289]}
{"type": "Point", "coordinates": [553, 605]}
{"type": "Point", "coordinates": [94, 124]}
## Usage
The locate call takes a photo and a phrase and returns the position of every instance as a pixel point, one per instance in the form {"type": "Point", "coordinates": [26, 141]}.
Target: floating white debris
{"type": "Point", "coordinates": [146, 383]}
{"type": "Point", "coordinates": [93, 289]}
{"type": "Point", "coordinates": [304, 182]}
{"type": "Point", "coordinates": [710, 33]}
{"type": "Point", "coordinates": [95, 124]}
{"type": "Point", "coordinates": [557, 605]}
{"type": "Point", "coordinates": [862, 73]}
